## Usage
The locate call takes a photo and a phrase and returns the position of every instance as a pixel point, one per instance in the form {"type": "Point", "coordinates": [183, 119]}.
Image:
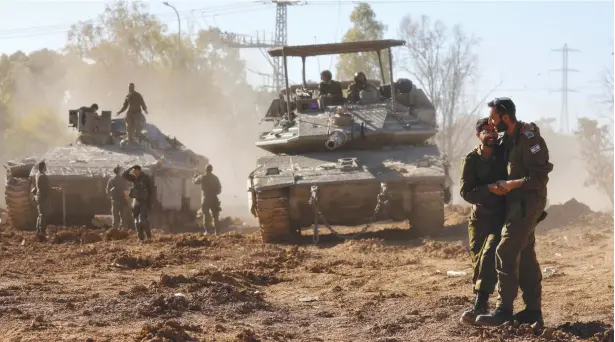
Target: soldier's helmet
{"type": "Point", "coordinates": [404, 85]}
{"type": "Point", "coordinates": [94, 107]}
{"type": "Point", "coordinates": [326, 74]}
{"type": "Point", "coordinates": [209, 168]}
{"type": "Point", "coordinates": [360, 77]}
{"type": "Point", "coordinates": [117, 169]}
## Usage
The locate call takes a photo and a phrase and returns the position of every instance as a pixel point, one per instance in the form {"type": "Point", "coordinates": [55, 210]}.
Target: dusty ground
{"type": "Point", "coordinates": [94, 286]}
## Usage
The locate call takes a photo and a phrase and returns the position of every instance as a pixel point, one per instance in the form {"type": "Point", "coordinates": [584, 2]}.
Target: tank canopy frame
{"type": "Point", "coordinates": [304, 51]}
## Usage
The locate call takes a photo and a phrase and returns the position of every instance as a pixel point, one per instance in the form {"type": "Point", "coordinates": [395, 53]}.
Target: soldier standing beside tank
{"type": "Point", "coordinates": [42, 193]}
{"type": "Point", "coordinates": [481, 168]}
{"type": "Point", "coordinates": [134, 118]}
{"type": "Point", "coordinates": [210, 189]}
{"type": "Point", "coordinates": [115, 190]}
{"type": "Point", "coordinates": [516, 264]}
{"type": "Point", "coordinates": [142, 192]}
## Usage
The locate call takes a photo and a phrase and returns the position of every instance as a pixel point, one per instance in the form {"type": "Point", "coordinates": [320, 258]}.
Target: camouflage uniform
{"type": "Point", "coordinates": [210, 189]}
{"type": "Point", "coordinates": [334, 89]}
{"type": "Point", "coordinates": [143, 193]}
{"type": "Point", "coordinates": [487, 216]}
{"type": "Point", "coordinates": [528, 159]}
{"type": "Point", "coordinates": [115, 190]}
{"type": "Point", "coordinates": [134, 118]}
{"type": "Point", "coordinates": [43, 192]}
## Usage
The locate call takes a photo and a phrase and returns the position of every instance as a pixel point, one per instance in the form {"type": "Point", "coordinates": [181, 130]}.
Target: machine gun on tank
{"type": "Point", "coordinates": [94, 129]}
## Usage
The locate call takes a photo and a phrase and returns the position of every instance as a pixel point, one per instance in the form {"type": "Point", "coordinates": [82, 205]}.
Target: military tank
{"type": "Point", "coordinates": [351, 164]}
{"type": "Point", "coordinates": [81, 170]}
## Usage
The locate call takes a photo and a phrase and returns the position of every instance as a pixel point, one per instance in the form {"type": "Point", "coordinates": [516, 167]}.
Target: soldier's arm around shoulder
{"type": "Point", "coordinates": [536, 160]}
{"type": "Point", "coordinates": [470, 191]}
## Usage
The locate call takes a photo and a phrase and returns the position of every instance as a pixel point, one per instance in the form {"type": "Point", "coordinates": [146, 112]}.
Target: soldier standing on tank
{"type": "Point", "coordinates": [516, 264]}
{"type": "Point", "coordinates": [134, 118]}
{"type": "Point", "coordinates": [480, 169]}
{"type": "Point", "coordinates": [210, 189]}
{"type": "Point", "coordinates": [115, 190]}
{"type": "Point", "coordinates": [143, 193]}
{"type": "Point", "coordinates": [330, 88]}
{"type": "Point", "coordinates": [42, 196]}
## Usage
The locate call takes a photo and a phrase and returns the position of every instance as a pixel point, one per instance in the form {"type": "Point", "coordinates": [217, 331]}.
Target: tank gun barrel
{"type": "Point", "coordinates": [336, 139]}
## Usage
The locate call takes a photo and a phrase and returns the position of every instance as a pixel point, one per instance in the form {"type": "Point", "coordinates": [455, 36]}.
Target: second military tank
{"type": "Point", "coordinates": [349, 164]}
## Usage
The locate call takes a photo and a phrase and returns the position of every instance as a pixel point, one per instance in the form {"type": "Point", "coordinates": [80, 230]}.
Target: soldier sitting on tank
{"type": "Point", "coordinates": [210, 189]}
{"type": "Point", "coordinates": [331, 89]}
{"type": "Point", "coordinates": [143, 193]}
{"type": "Point", "coordinates": [362, 91]}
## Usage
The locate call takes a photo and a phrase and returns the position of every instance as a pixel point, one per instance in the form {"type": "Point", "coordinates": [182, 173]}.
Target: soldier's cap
{"type": "Point", "coordinates": [136, 167]}
{"type": "Point", "coordinates": [503, 105]}
{"type": "Point", "coordinates": [117, 169]}
{"type": "Point", "coordinates": [326, 72]}
{"type": "Point", "coordinates": [481, 123]}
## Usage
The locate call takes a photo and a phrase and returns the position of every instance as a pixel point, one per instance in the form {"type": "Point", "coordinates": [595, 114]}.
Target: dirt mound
{"type": "Point", "coordinates": [116, 234]}
{"type": "Point", "coordinates": [125, 260]}
{"type": "Point", "coordinates": [560, 215]}
{"type": "Point", "coordinates": [167, 331]}
{"type": "Point", "coordinates": [364, 246]}
{"type": "Point", "coordinates": [193, 241]}
{"type": "Point", "coordinates": [76, 235]}
{"type": "Point", "coordinates": [444, 250]}
{"type": "Point", "coordinates": [594, 331]}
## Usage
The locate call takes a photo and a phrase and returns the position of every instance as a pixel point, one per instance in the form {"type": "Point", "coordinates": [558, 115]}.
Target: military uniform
{"type": "Point", "coordinates": [334, 89]}
{"type": "Point", "coordinates": [143, 193]}
{"type": "Point", "coordinates": [115, 190]}
{"type": "Point", "coordinates": [487, 216]}
{"type": "Point", "coordinates": [355, 89]}
{"type": "Point", "coordinates": [134, 118]}
{"type": "Point", "coordinates": [43, 192]}
{"type": "Point", "coordinates": [528, 159]}
{"type": "Point", "coordinates": [210, 189]}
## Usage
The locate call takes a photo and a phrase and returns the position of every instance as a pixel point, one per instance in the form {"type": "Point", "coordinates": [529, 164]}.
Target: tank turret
{"type": "Point", "coordinates": [94, 129]}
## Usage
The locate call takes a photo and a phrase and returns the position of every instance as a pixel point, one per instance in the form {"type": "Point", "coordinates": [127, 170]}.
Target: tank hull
{"type": "Point", "coordinates": [347, 185]}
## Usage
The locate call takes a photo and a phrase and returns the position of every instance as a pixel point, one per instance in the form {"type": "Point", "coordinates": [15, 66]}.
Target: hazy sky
{"type": "Point", "coordinates": [516, 38]}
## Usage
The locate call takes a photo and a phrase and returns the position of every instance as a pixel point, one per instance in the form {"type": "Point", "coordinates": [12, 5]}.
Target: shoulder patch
{"type": "Point", "coordinates": [535, 149]}
{"type": "Point", "coordinates": [529, 134]}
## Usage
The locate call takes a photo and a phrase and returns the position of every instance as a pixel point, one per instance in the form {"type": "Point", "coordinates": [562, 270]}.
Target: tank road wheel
{"type": "Point", "coordinates": [427, 215]}
{"type": "Point", "coordinates": [17, 196]}
{"type": "Point", "coordinates": [273, 216]}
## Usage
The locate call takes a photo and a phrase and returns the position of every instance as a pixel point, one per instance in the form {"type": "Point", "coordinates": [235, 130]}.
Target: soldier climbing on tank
{"type": "Point", "coordinates": [210, 189]}
{"type": "Point", "coordinates": [116, 186]}
{"type": "Point", "coordinates": [92, 109]}
{"type": "Point", "coordinates": [362, 89]}
{"type": "Point", "coordinates": [330, 88]}
{"type": "Point", "coordinates": [143, 194]}
{"type": "Point", "coordinates": [134, 118]}
{"type": "Point", "coordinates": [42, 192]}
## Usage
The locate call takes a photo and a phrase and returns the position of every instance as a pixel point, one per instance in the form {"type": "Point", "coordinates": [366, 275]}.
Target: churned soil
{"type": "Point", "coordinates": [385, 285]}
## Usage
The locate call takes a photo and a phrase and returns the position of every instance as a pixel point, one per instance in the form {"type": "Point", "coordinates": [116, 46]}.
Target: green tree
{"type": "Point", "coordinates": [364, 27]}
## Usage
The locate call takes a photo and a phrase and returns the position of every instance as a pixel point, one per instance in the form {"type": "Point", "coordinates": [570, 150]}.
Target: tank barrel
{"type": "Point", "coordinates": [336, 139]}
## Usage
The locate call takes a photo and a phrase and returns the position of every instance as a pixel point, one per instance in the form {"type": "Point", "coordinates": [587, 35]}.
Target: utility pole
{"type": "Point", "coordinates": [179, 34]}
{"type": "Point", "coordinates": [564, 125]}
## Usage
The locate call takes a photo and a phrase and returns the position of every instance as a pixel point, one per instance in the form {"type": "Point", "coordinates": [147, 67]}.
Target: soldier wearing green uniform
{"type": "Point", "coordinates": [481, 168]}
{"type": "Point", "coordinates": [115, 190]}
{"type": "Point", "coordinates": [210, 189]}
{"type": "Point", "coordinates": [42, 193]}
{"type": "Point", "coordinates": [134, 118]}
{"type": "Point", "coordinates": [143, 193]}
{"type": "Point", "coordinates": [526, 187]}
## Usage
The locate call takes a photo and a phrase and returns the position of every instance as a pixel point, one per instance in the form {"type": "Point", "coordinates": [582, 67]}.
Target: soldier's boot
{"type": "Point", "coordinates": [497, 318]}
{"type": "Point", "coordinates": [529, 317]}
{"type": "Point", "coordinates": [139, 228]}
{"type": "Point", "coordinates": [481, 307]}
{"type": "Point", "coordinates": [148, 231]}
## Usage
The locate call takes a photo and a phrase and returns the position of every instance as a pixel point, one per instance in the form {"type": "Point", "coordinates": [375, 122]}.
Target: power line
{"type": "Point", "coordinates": [564, 125]}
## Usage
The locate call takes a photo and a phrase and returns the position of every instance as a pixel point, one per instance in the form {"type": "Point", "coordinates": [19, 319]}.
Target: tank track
{"type": "Point", "coordinates": [17, 197]}
{"type": "Point", "coordinates": [272, 210]}
{"type": "Point", "coordinates": [427, 215]}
